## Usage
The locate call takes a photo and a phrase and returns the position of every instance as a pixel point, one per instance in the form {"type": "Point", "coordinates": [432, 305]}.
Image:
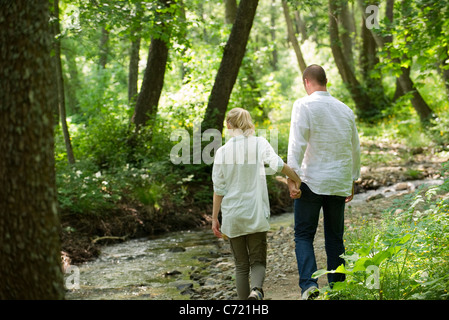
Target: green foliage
{"type": "Point", "coordinates": [404, 256]}
{"type": "Point", "coordinates": [141, 172]}
{"type": "Point", "coordinates": [83, 189]}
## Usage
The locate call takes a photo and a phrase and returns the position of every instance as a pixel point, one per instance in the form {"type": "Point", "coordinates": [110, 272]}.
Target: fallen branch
{"type": "Point", "coordinates": [108, 238]}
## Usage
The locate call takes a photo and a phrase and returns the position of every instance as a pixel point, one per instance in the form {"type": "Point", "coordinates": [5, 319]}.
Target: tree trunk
{"type": "Point", "coordinates": [300, 26]}
{"type": "Point", "coordinates": [72, 83]}
{"type": "Point", "coordinates": [404, 81]}
{"type": "Point", "coordinates": [60, 85]}
{"type": "Point", "coordinates": [230, 11]}
{"type": "Point", "coordinates": [366, 109]}
{"type": "Point", "coordinates": [104, 48]}
{"type": "Point", "coordinates": [134, 57]}
{"type": "Point", "coordinates": [30, 252]}
{"type": "Point", "coordinates": [444, 71]}
{"type": "Point", "coordinates": [369, 60]}
{"type": "Point", "coordinates": [274, 53]}
{"type": "Point", "coordinates": [292, 37]}
{"type": "Point", "coordinates": [421, 107]}
{"type": "Point", "coordinates": [233, 54]}
{"type": "Point", "coordinates": [153, 80]}
{"type": "Point", "coordinates": [346, 33]}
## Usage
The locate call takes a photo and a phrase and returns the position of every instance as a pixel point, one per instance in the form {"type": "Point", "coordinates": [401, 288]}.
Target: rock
{"type": "Point", "coordinates": [188, 291]}
{"type": "Point", "coordinates": [182, 284]}
{"type": "Point", "coordinates": [204, 259]}
{"type": "Point", "coordinates": [210, 282]}
{"type": "Point", "coordinates": [177, 249]}
{"type": "Point", "coordinates": [401, 186]}
{"type": "Point", "coordinates": [196, 276]}
{"type": "Point", "coordinates": [375, 197]}
{"type": "Point", "coordinates": [171, 273]}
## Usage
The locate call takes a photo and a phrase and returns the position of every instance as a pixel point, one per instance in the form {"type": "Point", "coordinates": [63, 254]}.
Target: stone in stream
{"type": "Point", "coordinates": [171, 273]}
{"type": "Point", "coordinates": [177, 249]}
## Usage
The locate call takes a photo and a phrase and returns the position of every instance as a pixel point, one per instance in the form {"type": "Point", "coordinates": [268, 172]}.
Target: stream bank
{"type": "Point", "coordinates": [195, 265]}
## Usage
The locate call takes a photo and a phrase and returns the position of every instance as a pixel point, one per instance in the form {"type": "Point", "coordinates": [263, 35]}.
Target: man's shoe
{"type": "Point", "coordinates": [256, 294]}
{"type": "Point", "coordinates": [310, 294]}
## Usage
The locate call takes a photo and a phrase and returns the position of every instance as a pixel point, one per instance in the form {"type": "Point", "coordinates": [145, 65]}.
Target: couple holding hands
{"type": "Point", "coordinates": [323, 163]}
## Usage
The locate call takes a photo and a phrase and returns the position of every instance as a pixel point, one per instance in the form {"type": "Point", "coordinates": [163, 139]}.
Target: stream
{"type": "Point", "coordinates": [154, 268]}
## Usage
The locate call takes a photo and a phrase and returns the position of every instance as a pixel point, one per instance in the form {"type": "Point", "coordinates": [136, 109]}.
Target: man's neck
{"type": "Point", "coordinates": [317, 88]}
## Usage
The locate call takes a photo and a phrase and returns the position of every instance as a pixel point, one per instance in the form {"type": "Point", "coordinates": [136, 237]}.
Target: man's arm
{"type": "Point", "coordinates": [355, 159]}
{"type": "Point", "coordinates": [293, 181]}
{"type": "Point", "coordinates": [297, 145]}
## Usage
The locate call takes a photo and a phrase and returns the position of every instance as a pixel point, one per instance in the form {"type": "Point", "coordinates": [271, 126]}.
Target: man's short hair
{"type": "Point", "coordinates": [315, 73]}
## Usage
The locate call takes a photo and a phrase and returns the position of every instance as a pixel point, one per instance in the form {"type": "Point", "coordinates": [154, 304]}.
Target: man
{"type": "Point", "coordinates": [324, 150]}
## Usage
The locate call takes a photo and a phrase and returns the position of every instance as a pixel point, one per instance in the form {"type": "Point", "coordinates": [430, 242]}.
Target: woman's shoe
{"type": "Point", "coordinates": [256, 294]}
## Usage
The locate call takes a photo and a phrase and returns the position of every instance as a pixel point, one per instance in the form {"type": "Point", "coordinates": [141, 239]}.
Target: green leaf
{"type": "Point", "coordinates": [320, 273]}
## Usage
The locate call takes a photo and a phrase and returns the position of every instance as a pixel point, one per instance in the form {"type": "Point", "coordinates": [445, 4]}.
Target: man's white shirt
{"type": "Point", "coordinates": [324, 147]}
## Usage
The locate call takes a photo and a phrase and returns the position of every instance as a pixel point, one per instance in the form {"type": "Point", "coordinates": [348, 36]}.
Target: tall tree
{"type": "Point", "coordinates": [60, 83]}
{"type": "Point", "coordinates": [404, 81]}
{"type": "Point", "coordinates": [134, 57]}
{"type": "Point", "coordinates": [367, 106]}
{"type": "Point", "coordinates": [233, 54]}
{"type": "Point", "coordinates": [292, 37]}
{"type": "Point", "coordinates": [30, 257]}
{"type": "Point", "coordinates": [230, 11]}
{"type": "Point", "coordinates": [153, 78]}
{"type": "Point", "coordinates": [104, 48]}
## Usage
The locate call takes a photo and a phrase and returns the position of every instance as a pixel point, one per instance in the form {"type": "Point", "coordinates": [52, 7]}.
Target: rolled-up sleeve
{"type": "Point", "coordinates": [269, 157]}
{"type": "Point", "coordinates": [218, 179]}
{"type": "Point", "coordinates": [299, 137]}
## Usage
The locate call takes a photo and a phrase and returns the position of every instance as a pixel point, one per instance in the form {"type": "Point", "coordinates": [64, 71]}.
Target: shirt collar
{"type": "Point", "coordinates": [321, 93]}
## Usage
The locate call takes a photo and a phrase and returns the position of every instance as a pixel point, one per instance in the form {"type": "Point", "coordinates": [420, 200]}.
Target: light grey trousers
{"type": "Point", "coordinates": [250, 256]}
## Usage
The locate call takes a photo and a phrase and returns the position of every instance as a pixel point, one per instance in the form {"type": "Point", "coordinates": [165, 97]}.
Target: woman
{"type": "Point", "coordinates": [240, 190]}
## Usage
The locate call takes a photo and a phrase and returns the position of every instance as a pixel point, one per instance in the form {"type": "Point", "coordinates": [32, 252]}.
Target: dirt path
{"type": "Point", "coordinates": [282, 273]}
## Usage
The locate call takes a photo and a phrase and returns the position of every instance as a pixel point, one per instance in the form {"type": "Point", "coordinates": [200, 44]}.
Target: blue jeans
{"type": "Point", "coordinates": [307, 212]}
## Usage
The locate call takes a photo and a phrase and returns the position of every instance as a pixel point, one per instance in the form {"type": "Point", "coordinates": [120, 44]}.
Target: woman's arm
{"type": "Point", "coordinates": [293, 181]}
{"type": "Point", "coordinates": [215, 210]}
{"type": "Point", "coordinates": [289, 172]}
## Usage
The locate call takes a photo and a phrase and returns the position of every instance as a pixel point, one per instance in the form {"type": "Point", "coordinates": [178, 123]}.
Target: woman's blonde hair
{"type": "Point", "coordinates": [240, 120]}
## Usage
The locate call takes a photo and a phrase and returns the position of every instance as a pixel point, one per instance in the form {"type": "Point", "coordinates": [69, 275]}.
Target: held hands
{"type": "Point", "coordinates": [294, 187]}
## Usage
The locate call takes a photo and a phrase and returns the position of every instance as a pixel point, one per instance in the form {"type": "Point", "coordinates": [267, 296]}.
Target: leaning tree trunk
{"type": "Point", "coordinates": [134, 57]}
{"type": "Point", "coordinates": [230, 11]}
{"type": "Point", "coordinates": [233, 54]}
{"type": "Point", "coordinates": [421, 107]}
{"type": "Point", "coordinates": [60, 85]}
{"type": "Point", "coordinates": [153, 78]}
{"type": "Point", "coordinates": [365, 107]}
{"type": "Point", "coordinates": [292, 37]}
{"type": "Point", "coordinates": [404, 83]}
{"type": "Point", "coordinates": [30, 259]}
